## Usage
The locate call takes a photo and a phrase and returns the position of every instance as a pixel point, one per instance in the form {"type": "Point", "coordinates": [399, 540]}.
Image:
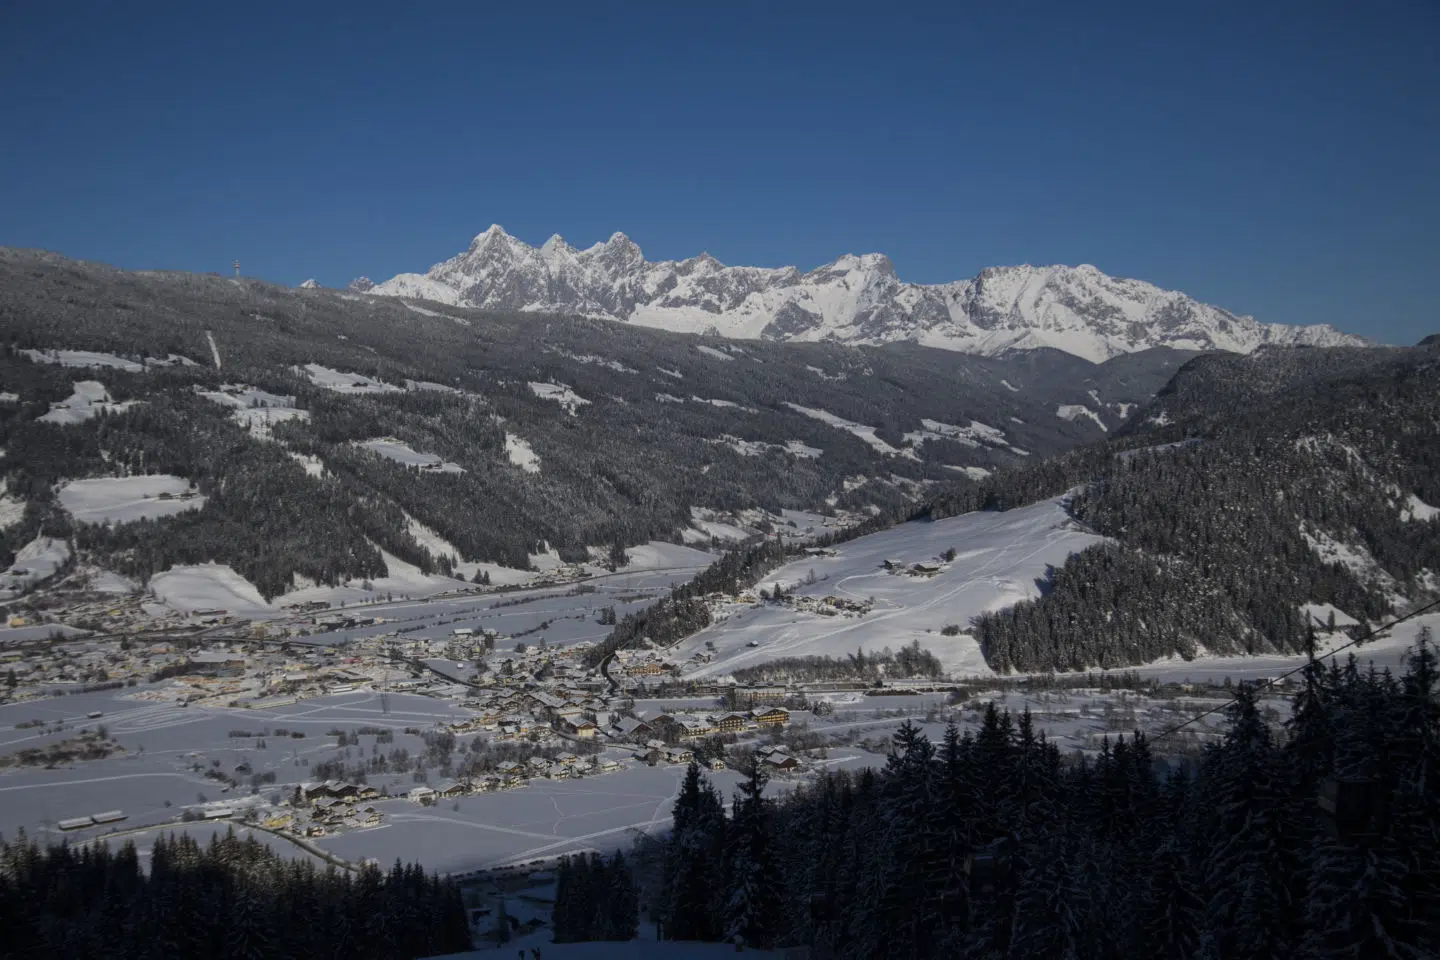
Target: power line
{"type": "Point", "coordinates": [1290, 673]}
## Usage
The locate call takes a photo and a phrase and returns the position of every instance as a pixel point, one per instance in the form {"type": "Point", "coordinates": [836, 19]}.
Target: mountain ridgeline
{"type": "Point", "coordinates": [1252, 489]}
{"type": "Point", "coordinates": [564, 432]}
{"type": "Point", "coordinates": [855, 299]}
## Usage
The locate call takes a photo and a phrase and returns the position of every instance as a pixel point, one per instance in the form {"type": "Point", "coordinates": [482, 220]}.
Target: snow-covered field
{"type": "Point", "coordinates": [560, 393]}
{"type": "Point", "coordinates": [36, 561]}
{"type": "Point", "coordinates": [521, 454]}
{"type": "Point", "coordinates": [210, 586]}
{"type": "Point", "coordinates": [123, 499]}
{"type": "Point", "coordinates": [254, 409]}
{"type": "Point", "coordinates": [89, 358]}
{"type": "Point", "coordinates": [1388, 651]}
{"type": "Point", "coordinates": [756, 448]}
{"type": "Point", "coordinates": [543, 819]}
{"type": "Point", "coordinates": [162, 741]}
{"type": "Point", "coordinates": [392, 449]}
{"type": "Point", "coordinates": [89, 399]}
{"type": "Point", "coordinates": [999, 559]}
{"type": "Point", "coordinates": [860, 430]}
{"type": "Point", "coordinates": [1078, 411]}
{"type": "Point", "coordinates": [342, 382]}
{"type": "Point", "coordinates": [215, 586]}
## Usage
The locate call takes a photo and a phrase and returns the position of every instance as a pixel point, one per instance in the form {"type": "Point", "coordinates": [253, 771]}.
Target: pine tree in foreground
{"type": "Point", "coordinates": [1229, 857]}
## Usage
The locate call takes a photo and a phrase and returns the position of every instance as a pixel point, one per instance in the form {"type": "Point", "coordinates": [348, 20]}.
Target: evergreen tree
{"type": "Point", "coordinates": [752, 914]}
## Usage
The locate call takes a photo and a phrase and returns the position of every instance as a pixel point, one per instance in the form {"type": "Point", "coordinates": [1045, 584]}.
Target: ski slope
{"type": "Point", "coordinates": [1000, 557]}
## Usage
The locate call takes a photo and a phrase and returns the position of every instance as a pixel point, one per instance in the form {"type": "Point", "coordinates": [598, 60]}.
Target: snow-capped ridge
{"type": "Point", "coordinates": [857, 298]}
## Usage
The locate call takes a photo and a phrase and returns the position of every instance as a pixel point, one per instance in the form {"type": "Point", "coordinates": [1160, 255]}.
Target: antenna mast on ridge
{"type": "Point", "coordinates": [237, 269]}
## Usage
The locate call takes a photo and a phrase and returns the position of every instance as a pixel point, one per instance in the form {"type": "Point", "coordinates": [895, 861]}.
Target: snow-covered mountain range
{"type": "Point", "coordinates": [856, 299]}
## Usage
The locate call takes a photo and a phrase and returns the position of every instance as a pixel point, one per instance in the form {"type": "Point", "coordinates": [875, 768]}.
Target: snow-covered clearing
{"type": "Point", "coordinates": [676, 374]}
{"type": "Point", "coordinates": [429, 385]}
{"type": "Point", "coordinates": [108, 581]}
{"type": "Point", "coordinates": [1320, 614]}
{"type": "Point", "coordinates": [1418, 510]}
{"type": "Point", "coordinates": [974, 473]}
{"type": "Point", "coordinates": [974, 435]}
{"type": "Point", "coordinates": [590, 358]}
{"type": "Point", "coordinates": [89, 399]}
{"type": "Point", "coordinates": [400, 452]}
{"type": "Point", "coordinates": [214, 350]}
{"type": "Point", "coordinates": [123, 499]}
{"type": "Point", "coordinates": [210, 586]}
{"type": "Point", "coordinates": [424, 312]}
{"type": "Point", "coordinates": [90, 358]}
{"type": "Point", "coordinates": [401, 580]}
{"type": "Point", "coordinates": [560, 393]}
{"type": "Point", "coordinates": [757, 448]}
{"type": "Point", "coordinates": [658, 555]}
{"type": "Point", "coordinates": [543, 819]}
{"type": "Point", "coordinates": [7, 396]}
{"type": "Point", "coordinates": [242, 396]}
{"type": "Point", "coordinates": [521, 454]}
{"type": "Point", "coordinates": [1388, 651]}
{"type": "Point", "coordinates": [1355, 558]}
{"type": "Point", "coordinates": [215, 586]}
{"type": "Point", "coordinates": [341, 382]}
{"type": "Point", "coordinates": [717, 354]}
{"type": "Point", "coordinates": [865, 433]}
{"type": "Point", "coordinates": [36, 561]}
{"type": "Point", "coordinates": [312, 465]}
{"type": "Point", "coordinates": [12, 509]}
{"type": "Point", "coordinates": [254, 409]}
{"type": "Point", "coordinates": [999, 559]}
{"type": "Point", "coordinates": [1009, 386]}
{"type": "Point", "coordinates": [1077, 411]}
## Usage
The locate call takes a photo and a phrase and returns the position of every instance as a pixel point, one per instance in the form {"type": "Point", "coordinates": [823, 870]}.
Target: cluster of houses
{"type": "Point", "coordinates": [828, 606]}
{"type": "Point", "coordinates": [642, 663]}
{"type": "Point", "coordinates": [690, 726]}
{"type": "Point", "coordinates": [509, 714]}
{"type": "Point", "coordinates": [563, 767]}
{"type": "Point", "coordinates": [334, 803]}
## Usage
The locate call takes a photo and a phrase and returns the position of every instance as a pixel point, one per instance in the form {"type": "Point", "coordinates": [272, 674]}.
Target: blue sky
{"type": "Point", "coordinates": [1277, 159]}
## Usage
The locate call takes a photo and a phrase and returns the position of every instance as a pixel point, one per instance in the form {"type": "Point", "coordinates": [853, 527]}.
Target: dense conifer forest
{"type": "Point", "coordinates": [995, 845]}
{"type": "Point", "coordinates": [231, 900]}
{"type": "Point", "coordinates": [1252, 486]}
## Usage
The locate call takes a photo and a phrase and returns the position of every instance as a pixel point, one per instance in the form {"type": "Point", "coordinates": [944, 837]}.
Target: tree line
{"type": "Point", "coordinates": [231, 899]}
{"type": "Point", "coordinates": [993, 844]}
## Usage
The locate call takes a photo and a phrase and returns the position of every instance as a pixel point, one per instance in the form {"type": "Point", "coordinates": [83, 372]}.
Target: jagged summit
{"type": "Point", "coordinates": [857, 298]}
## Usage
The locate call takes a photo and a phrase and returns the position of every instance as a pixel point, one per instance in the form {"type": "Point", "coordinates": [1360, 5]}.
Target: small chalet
{"type": "Point", "coordinates": [781, 761]}
{"type": "Point", "coordinates": [679, 755]}
{"type": "Point", "coordinates": [421, 795]}
{"type": "Point", "coordinates": [580, 727]}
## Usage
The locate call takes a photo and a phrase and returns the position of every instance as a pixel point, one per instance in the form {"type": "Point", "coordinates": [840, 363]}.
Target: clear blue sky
{"type": "Point", "coordinates": [1277, 159]}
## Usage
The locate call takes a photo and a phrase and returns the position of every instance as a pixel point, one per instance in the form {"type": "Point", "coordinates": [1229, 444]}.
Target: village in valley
{"type": "Point", "coordinates": [478, 731]}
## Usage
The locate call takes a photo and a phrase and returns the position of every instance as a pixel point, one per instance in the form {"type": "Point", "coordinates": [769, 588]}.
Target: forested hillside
{"type": "Point", "coordinates": [1253, 486]}
{"type": "Point", "coordinates": [542, 430]}
{"type": "Point", "coordinates": [1093, 858]}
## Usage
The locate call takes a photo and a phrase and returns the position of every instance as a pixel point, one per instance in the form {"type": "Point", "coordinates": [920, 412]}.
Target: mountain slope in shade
{"type": "Point", "coordinates": [855, 299]}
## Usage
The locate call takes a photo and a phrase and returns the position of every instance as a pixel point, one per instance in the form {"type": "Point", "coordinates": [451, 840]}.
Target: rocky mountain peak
{"type": "Point", "coordinates": [854, 299]}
